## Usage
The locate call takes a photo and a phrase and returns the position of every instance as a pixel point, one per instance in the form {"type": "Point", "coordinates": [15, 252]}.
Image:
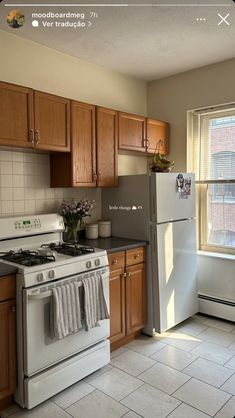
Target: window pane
{"type": "Point", "coordinates": [222, 148]}
{"type": "Point", "coordinates": [221, 215]}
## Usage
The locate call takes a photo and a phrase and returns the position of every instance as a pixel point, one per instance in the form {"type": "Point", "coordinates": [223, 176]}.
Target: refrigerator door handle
{"type": "Point", "coordinates": [153, 206]}
{"type": "Point", "coordinates": [154, 242]}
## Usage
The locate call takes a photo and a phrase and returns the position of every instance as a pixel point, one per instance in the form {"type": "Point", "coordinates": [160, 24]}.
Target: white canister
{"type": "Point", "coordinates": [92, 231]}
{"type": "Point", "coordinates": [104, 229]}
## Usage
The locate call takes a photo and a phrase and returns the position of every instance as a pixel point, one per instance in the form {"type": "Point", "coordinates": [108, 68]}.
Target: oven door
{"type": "Point", "coordinates": [40, 349]}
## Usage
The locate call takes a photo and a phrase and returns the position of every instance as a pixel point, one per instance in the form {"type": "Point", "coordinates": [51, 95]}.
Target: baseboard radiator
{"type": "Point", "coordinates": [213, 306]}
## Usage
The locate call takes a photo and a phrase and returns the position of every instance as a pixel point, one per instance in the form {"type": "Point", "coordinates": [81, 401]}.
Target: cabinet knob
{"type": "Point", "coordinates": [114, 261]}
{"type": "Point", "coordinates": [128, 275]}
{"type": "Point", "coordinates": [36, 136]}
{"type": "Point", "coordinates": [137, 255]}
{"type": "Point", "coordinates": [147, 143]}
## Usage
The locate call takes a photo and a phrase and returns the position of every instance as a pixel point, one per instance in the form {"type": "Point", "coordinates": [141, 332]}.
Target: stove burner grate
{"type": "Point", "coordinates": [27, 258]}
{"type": "Point", "coordinates": [70, 249]}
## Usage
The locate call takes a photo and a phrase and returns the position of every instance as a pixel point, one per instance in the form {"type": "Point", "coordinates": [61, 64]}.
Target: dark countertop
{"type": "Point", "coordinates": [113, 244]}
{"type": "Point", "coordinates": [6, 269]}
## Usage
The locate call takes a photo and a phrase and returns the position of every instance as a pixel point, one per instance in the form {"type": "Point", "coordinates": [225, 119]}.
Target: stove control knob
{"type": "Point", "coordinates": [51, 274]}
{"type": "Point", "coordinates": [88, 264]}
{"type": "Point", "coordinates": [40, 277]}
{"type": "Point", "coordinates": [97, 262]}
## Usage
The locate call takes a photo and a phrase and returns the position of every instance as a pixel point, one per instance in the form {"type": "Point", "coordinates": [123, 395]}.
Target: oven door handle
{"type": "Point", "coordinates": [38, 296]}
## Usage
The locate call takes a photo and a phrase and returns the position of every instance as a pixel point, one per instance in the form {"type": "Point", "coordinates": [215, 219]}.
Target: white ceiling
{"type": "Point", "coordinates": [145, 42]}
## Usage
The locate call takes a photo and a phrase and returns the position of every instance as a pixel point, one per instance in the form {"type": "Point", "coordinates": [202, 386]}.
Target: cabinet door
{"type": "Point", "coordinates": [117, 305]}
{"type": "Point", "coordinates": [83, 145]}
{"type": "Point", "coordinates": [131, 132]}
{"type": "Point", "coordinates": [7, 349]}
{"type": "Point", "coordinates": [106, 135]}
{"type": "Point", "coordinates": [52, 122]}
{"type": "Point", "coordinates": [16, 116]}
{"type": "Point", "coordinates": [135, 298]}
{"type": "Point", "coordinates": [157, 136]}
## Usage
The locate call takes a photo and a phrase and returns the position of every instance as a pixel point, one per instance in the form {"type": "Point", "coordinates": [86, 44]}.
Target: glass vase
{"type": "Point", "coordinates": [71, 232]}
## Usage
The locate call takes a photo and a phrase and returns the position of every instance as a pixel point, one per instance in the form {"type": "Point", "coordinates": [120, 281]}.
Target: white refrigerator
{"type": "Point", "coordinates": [154, 208]}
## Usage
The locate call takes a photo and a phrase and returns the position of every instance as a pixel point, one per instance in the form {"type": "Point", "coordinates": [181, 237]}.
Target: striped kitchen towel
{"type": "Point", "coordinates": [95, 307]}
{"type": "Point", "coordinates": [66, 310]}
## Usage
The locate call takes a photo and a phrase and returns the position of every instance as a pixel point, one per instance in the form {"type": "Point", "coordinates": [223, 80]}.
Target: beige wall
{"type": "Point", "coordinates": [170, 98]}
{"type": "Point", "coordinates": [30, 64]}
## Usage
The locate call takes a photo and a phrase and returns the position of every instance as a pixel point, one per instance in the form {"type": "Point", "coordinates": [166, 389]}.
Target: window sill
{"type": "Point", "coordinates": [222, 256]}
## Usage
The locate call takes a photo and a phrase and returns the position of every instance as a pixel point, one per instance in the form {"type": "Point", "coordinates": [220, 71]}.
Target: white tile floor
{"type": "Point", "coordinates": [188, 372]}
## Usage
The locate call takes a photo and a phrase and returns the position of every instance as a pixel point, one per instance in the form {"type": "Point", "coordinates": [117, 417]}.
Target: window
{"type": "Point", "coordinates": [211, 155]}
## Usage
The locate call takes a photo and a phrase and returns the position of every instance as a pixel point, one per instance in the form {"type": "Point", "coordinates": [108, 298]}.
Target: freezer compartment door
{"type": "Point", "coordinates": [166, 204]}
{"type": "Point", "coordinates": [174, 273]}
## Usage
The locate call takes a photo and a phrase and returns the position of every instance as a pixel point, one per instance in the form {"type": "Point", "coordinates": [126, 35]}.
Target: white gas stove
{"type": "Point", "coordinates": [34, 245]}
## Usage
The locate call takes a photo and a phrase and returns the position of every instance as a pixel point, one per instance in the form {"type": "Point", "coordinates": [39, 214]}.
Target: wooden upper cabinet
{"type": "Point", "coordinates": [106, 137]}
{"type": "Point", "coordinates": [52, 122]}
{"type": "Point", "coordinates": [131, 132]}
{"type": "Point", "coordinates": [83, 145]}
{"type": "Point", "coordinates": [157, 136]}
{"type": "Point", "coordinates": [16, 115]}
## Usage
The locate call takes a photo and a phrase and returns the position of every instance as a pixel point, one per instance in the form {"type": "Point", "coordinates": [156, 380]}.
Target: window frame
{"type": "Point", "coordinates": [193, 164]}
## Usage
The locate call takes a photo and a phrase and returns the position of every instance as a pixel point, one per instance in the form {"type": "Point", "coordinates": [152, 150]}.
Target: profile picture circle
{"type": "Point", "coordinates": [15, 19]}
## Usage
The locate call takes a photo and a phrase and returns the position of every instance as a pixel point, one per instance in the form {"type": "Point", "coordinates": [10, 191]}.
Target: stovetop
{"type": "Point", "coordinates": [39, 253]}
{"type": "Point", "coordinates": [47, 253]}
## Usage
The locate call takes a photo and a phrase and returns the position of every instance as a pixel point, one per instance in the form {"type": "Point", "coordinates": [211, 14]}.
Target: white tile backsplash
{"type": "Point", "coordinates": [25, 186]}
{"type": "Point", "coordinates": [5, 155]}
{"type": "Point", "coordinates": [17, 167]}
{"type": "Point", "coordinates": [17, 180]}
{"type": "Point", "coordinates": [18, 193]}
{"type": "Point", "coordinates": [6, 167]}
{"type": "Point", "coordinates": [6, 180]}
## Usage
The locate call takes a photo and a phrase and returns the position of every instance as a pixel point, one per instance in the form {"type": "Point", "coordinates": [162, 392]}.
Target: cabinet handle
{"type": "Point", "coordinates": [115, 261]}
{"type": "Point", "coordinates": [31, 135]}
{"type": "Point", "coordinates": [36, 136]}
{"type": "Point", "coordinates": [137, 256]}
{"type": "Point", "coordinates": [123, 275]}
{"type": "Point", "coordinates": [128, 275]}
{"type": "Point", "coordinates": [147, 143]}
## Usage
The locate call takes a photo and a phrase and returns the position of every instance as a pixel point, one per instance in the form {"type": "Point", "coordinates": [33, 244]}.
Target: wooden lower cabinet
{"type": "Point", "coordinates": [117, 305]}
{"type": "Point", "coordinates": [127, 295]}
{"type": "Point", "coordinates": [135, 298]}
{"type": "Point", "coordinates": [7, 342]}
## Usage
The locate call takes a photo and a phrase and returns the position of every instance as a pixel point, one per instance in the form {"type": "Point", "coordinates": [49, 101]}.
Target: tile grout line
{"type": "Point", "coordinates": [230, 396]}
{"type": "Point", "coordinates": [150, 356]}
{"type": "Point", "coordinates": [64, 409]}
{"type": "Point", "coordinates": [174, 409]}
{"type": "Point", "coordinates": [223, 407]}
{"type": "Point", "coordinates": [212, 362]}
{"type": "Point", "coordinates": [130, 394]}
{"type": "Point", "coordinates": [233, 374]}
